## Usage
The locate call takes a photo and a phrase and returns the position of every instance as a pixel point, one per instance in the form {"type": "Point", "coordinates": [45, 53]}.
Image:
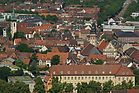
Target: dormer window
{"type": "Point", "coordinates": [110, 72]}
{"type": "Point", "coordinates": [82, 72]}
{"type": "Point", "coordinates": [61, 72]}
{"type": "Point", "coordinates": [54, 73]}
{"type": "Point", "coordinates": [68, 72]}
{"type": "Point", "coordinates": [96, 72]}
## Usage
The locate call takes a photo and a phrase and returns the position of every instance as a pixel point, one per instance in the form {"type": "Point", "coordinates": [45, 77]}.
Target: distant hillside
{"type": "Point", "coordinates": [133, 7]}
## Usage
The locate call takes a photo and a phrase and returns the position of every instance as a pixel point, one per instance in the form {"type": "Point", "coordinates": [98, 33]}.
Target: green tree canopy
{"type": "Point", "coordinates": [4, 73]}
{"type": "Point", "coordinates": [39, 86]}
{"type": "Point", "coordinates": [24, 48]}
{"type": "Point", "coordinates": [51, 18]}
{"type": "Point", "coordinates": [20, 87]}
{"type": "Point", "coordinates": [55, 60]}
{"type": "Point", "coordinates": [17, 87]}
{"type": "Point", "coordinates": [19, 35]}
{"type": "Point", "coordinates": [20, 64]}
{"type": "Point", "coordinates": [97, 62]}
{"type": "Point", "coordinates": [108, 86]}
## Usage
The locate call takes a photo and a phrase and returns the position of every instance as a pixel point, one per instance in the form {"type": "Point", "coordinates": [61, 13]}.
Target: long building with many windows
{"type": "Point", "coordinates": [85, 73]}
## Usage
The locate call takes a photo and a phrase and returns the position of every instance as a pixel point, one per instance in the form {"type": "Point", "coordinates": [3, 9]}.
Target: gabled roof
{"type": "Point", "coordinates": [43, 27]}
{"type": "Point", "coordinates": [49, 55]}
{"type": "Point", "coordinates": [89, 49]}
{"type": "Point", "coordinates": [97, 56]}
{"type": "Point", "coordinates": [102, 45]}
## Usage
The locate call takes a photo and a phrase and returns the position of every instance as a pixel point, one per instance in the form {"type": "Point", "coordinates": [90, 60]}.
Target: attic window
{"type": "Point", "coordinates": [110, 72]}
{"type": "Point", "coordinates": [68, 72]}
{"type": "Point", "coordinates": [103, 72]}
{"type": "Point", "coordinates": [123, 73]}
{"type": "Point", "coordinates": [54, 72]}
{"type": "Point", "coordinates": [82, 72]}
{"type": "Point", "coordinates": [126, 73]}
{"type": "Point", "coordinates": [61, 72]}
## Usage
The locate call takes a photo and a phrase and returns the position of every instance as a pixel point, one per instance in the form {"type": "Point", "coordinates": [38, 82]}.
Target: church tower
{"type": "Point", "coordinates": [13, 24]}
{"type": "Point", "coordinates": [13, 28]}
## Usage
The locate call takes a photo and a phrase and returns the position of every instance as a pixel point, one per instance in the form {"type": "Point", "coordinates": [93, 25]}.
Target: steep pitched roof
{"type": "Point", "coordinates": [49, 55]}
{"type": "Point", "coordinates": [102, 45]}
{"type": "Point", "coordinates": [97, 56]}
{"type": "Point", "coordinates": [42, 27]}
{"type": "Point", "coordinates": [89, 49]}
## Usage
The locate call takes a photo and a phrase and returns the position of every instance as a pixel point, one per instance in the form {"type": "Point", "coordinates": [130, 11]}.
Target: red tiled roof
{"type": "Point", "coordinates": [49, 55]}
{"type": "Point", "coordinates": [97, 56]}
{"type": "Point", "coordinates": [135, 55]}
{"type": "Point", "coordinates": [17, 41]}
{"type": "Point", "coordinates": [90, 70]}
{"type": "Point", "coordinates": [133, 91]}
{"type": "Point", "coordinates": [42, 27]}
{"type": "Point", "coordinates": [39, 42]}
{"type": "Point", "coordinates": [102, 45]}
{"type": "Point", "coordinates": [26, 61]}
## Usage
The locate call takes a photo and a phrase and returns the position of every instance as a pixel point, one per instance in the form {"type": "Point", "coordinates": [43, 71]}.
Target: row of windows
{"type": "Point", "coordinates": [92, 78]}
{"type": "Point", "coordinates": [96, 78]}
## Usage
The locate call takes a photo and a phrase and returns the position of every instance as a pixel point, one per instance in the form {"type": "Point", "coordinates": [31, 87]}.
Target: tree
{"type": "Point", "coordinates": [55, 60]}
{"type": "Point", "coordinates": [57, 86]}
{"type": "Point", "coordinates": [92, 87]}
{"type": "Point", "coordinates": [4, 73]}
{"type": "Point", "coordinates": [20, 87]}
{"type": "Point", "coordinates": [69, 87]}
{"type": "Point", "coordinates": [97, 62]}
{"type": "Point", "coordinates": [95, 86]}
{"type": "Point", "coordinates": [51, 18]}
{"type": "Point", "coordinates": [20, 64]}
{"type": "Point", "coordinates": [124, 85]}
{"type": "Point", "coordinates": [108, 86]}
{"type": "Point", "coordinates": [39, 86]}
{"type": "Point", "coordinates": [24, 48]}
{"type": "Point", "coordinates": [17, 87]}
{"type": "Point", "coordinates": [33, 65]}
{"type": "Point", "coordinates": [5, 87]}
{"type": "Point", "coordinates": [19, 35]}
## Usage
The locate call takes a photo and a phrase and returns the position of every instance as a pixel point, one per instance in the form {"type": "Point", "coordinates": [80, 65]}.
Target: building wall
{"type": "Point", "coordinates": [110, 51]}
{"type": "Point", "coordinates": [102, 79]}
{"type": "Point", "coordinates": [45, 63]}
{"type": "Point", "coordinates": [128, 39]}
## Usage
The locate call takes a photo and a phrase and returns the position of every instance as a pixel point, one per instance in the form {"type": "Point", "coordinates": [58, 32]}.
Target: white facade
{"type": "Point", "coordinates": [45, 63]}
{"type": "Point", "coordinates": [4, 32]}
{"type": "Point", "coordinates": [13, 28]}
{"type": "Point", "coordinates": [123, 28]}
{"type": "Point", "coordinates": [135, 14]}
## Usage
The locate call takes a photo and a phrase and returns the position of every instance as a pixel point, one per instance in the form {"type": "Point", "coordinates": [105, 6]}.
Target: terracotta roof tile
{"type": "Point", "coordinates": [97, 56]}
{"type": "Point", "coordinates": [49, 55]}
{"type": "Point", "coordinates": [42, 27]}
{"type": "Point", "coordinates": [133, 91]}
{"type": "Point", "coordinates": [17, 41]}
{"type": "Point", "coordinates": [90, 70]}
{"type": "Point", "coordinates": [102, 45]}
{"type": "Point", "coordinates": [26, 61]}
